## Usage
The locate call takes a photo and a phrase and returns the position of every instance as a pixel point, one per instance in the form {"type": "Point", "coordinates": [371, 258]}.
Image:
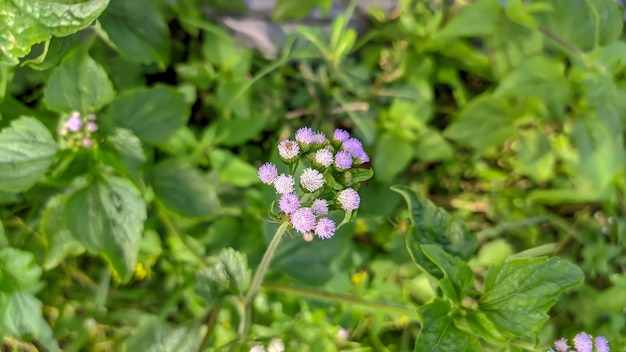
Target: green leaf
{"type": "Point", "coordinates": [458, 276]}
{"type": "Point", "coordinates": [183, 189]}
{"type": "Point", "coordinates": [392, 155]}
{"type": "Point", "coordinates": [127, 156]}
{"type": "Point", "coordinates": [519, 292]}
{"type": "Point", "coordinates": [23, 317]}
{"type": "Point", "coordinates": [439, 333]}
{"type": "Point", "coordinates": [24, 23]}
{"type": "Point", "coordinates": [292, 10]}
{"type": "Point", "coordinates": [472, 20]}
{"type": "Point", "coordinates": [230, 275]}
{"type": "Point", "coordinates": [26, 151]}
{"type": "Point", "coordinates": [146, 43]}
{"type": "Point", "coordinates": [153, 114]}
{"type": "Point", "coordinates": [584, 24]}
{"type": "Point", "coordinates": [431, 146]}
{"type": "Point", "coordinates": [18, 270]}
{"type": "Point", "coordinates": [485, 122]}
{"type": "Point", "coordinates": [158, 336]}
{"type": "Point", "coordinates": [59, 240]}
{"type": "Point", "coordinates": [238, 131]}
{"type": "Point", "coordinates": [483, 327]}
{"type": "Point", "coordinates": [433, 225]}
{"type": "Point", "coordinates": [535, 157]}
{"type": "Point", "coordinates": [56, 49]}
{"type": "Point", "coordinates": [80, 84]}
{"type": "Point", "coordinates": [231, 169]}
{"type": "Point", "coordinates": [107, 217]}
{"type": "Point", "coordinates": [3, 237]}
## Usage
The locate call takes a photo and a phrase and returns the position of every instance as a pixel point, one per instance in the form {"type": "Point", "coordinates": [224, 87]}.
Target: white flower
{"type": "Point", "coordinates": [284, 184]}
{"type": "Point", "coordinates": [323, 157]}
{"type": "Point", "coordinates": [288, 150]}
{"type": "Point", "coordinates": [257, 348]}
{"type": "Point", "coordinates": [311, 180]}
{"type": "Point", "coordinates": [276, 345]}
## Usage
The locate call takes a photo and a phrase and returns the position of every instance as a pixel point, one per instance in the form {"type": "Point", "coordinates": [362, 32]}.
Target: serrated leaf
{"type": "Point", "coordinates": [229, 276]}
{"type": "Point", "coordinates": [519, 292]}
{"type": "Point", "coordinates": [24, 23]}
{"type": "Point", "coordinates": [183, 189]}
{"type": "Point", "coordinates": [78, 84]}
{"type": "Point", "coordinates": [157, 336]}
{"type": "Point", "coordinates": [107, 217]}
{"type": "Point", "coordinates": [18, 270]}
{"type": "Point", "coordinates": [59, 240]}
{"type": "Point", "coordinates": [153, 113]}
{"type": "Point", "coordinates": [23, 317]}
{"type": "Point", "coordinates": [26, 151]}
{"type": "Point", "coordinates": [146, 43]}
{"type": "Point", "coordinates": [458, 276]}
{"type": "Point", "coordinates": [439, 333]}
{"type": "Point", "coordinates": [433, 225]}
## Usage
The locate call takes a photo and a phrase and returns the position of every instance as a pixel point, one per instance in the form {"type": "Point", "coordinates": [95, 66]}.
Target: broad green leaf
{"type": "Point", "coordinates": [23, 317]}
{"type": "Point", "coordinates": [473, 20]}
{"type": "Point", "coordinates": [584, 24]}
{"type": "Point", "coordinates": [24, 23]}
{"type": "Point", "coordinates": [158, 336]}
{"type": "Point", "coordinates": [126, 149]}
{"type": "Point", "coordinates": [146, 43]}
{"type": "Point", "coordinates": [183, 189]}
{"type": "Point", "coordinates": [56, 49]}
{"type": "Point", "coordinates": [519, 292]}
{"type": "Point", "coordinates": [229, 276]}
{"type": "Point", "coordinates": [231, 169]}
{"type": "Point", "coordinates": [458, 276]}
{"type": "Point", "coordinates": [439, 333]}
{"type": "Point", "coordinates": [59, 240]}
{"type": "Point", "coordinates": [26, 151]}
{"type": "Point", "coordinates": [238, 131]}
{"type": "Point", "coordinates": [107, 217]}
{"type": "Point", "coordinates": [392, 155]}
{"type": "Point", "coordinates": [433, 225]}
{"type": "Point", "coordinates": [481, 325]}
{"type": "Point", "coordinates": [292, 10]}
{"type": "Point", "coordinates": [80, 84]}
{"type": "Point", "coordinates": [18, 270]}
{"type": "Point", "coordinates": [153, 113]}
{"type": "Point", "coordinates": [535, 157]}
{"type": "Point", "coordinates": [483, 123]}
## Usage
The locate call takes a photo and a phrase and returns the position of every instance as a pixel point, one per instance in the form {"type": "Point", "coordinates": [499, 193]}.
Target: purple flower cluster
{"type": "Point", "coordinates": [79, 130]}
{"type": "Point", "coordinates": [305, 199]}
{"type": "Point", "coordinates": [582, 343]}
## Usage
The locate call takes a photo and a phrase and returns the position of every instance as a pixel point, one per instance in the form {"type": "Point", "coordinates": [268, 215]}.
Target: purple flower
{"type": "Point", "coordinates": [348, 199]}
{"type": "Point", "coordinates": [268, 173]}
{"type": "Point", "coordinates": [289, 203]}
{"type": "Point", "coordinates": [343, 160]}
{"type": "Point", "coordinates": [341, 135]}
{"type": "Point", "coordinates": [319, 138]}
{"type": "Point", "coordinates": [284, 184]}
{"type": "Point", "coordinates": [355, 148]}
{"type": "Point", "coordinates": [87, 142]}
{"type": "Point", "coordinates": [583, 343]}
{"type": "Point", "coordinates": [311, 180]}
{"type": "Point", "coordinates": [323, 157]}
{"type": "Point", "coordinates": [288, 151]}
{"type": "Point", "coordinates": [74, 123]}
{"type": "Point", "coordinates": [304, 136]}
{"type": "Point", "coordinates": [303, 220]}
{"type": "Point", "coordinates": [319, 207]}
{"type": "Point", "coordinates": [91, 126]}
{"type": "Point", "coordinates": [325, 228]}
{"type": "Point", "coordinates": [561, 345]}
{"type": "Point", "coordinates": [602, 345]}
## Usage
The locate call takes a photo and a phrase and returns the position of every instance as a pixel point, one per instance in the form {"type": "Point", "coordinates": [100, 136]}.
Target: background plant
{"type": "Point", "coordinates": [508, 114]}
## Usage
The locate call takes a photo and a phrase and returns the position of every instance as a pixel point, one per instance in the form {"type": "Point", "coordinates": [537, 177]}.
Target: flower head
{"type": "Point", "coordinates": [311, 180]}
{"type": "Point", "coordinates": [323, 157]}
{"type": "Point", "coordinates": [319, 207]}
{"type": "Point", "coordinates": [340, 135]}
{"type": "Point", "coordinates": [276, 345]}
{"type": "Point", "coordinates": [288, 151]}
{"type": "Point", "coordinates": [91, 126]}
{"type": "Point", "coordinates": [304, 136]}
{"type": "Point", "coordinates": [303, 220]}
{"type": "Point", "coordinates": [348, 199]}
{"type": "Point", "coordinates": [355, 148]}
{"type": "Point", "coordinates": [602, 345]}
{"type": "Point", "coordinates": [268, 173]}
{"type": "Point", "coordinates": [325, 228]}
{"type": "Point", "coordinates": [343, 160]}
{"type": "Point", "coordinates": [319, 138]}
{"type": "Point", "coordinates": [87, 142]}
{"type": "Point", "coordinates": [289, 203]}
{"type": "Point", "coordinates": [583, 343]}
{"type": "Point", "coordinates": [561, 345]}
{"type": "Point", "coordinates": [257, 348]}
{"type": "Point", "coordinates": [284, 184]}
{"type": "Point", "coordinates": [74, 123]}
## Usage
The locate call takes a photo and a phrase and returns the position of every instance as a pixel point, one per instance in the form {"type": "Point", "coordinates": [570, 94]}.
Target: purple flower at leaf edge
{"type": "Point", "coordinates": [74, 123]}
{"type": "Point", "coordinates": [343, 160]}
{"type": "Point", "coordinates": [602, 345]}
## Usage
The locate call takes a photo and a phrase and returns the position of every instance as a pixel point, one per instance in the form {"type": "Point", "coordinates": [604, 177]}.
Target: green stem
{"type": "Point", "coordinates": [348, 299]}
{"type": "Point", "coordinates": [257, 280]}
{"type": "Point", "coordinates": [210, 324]}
